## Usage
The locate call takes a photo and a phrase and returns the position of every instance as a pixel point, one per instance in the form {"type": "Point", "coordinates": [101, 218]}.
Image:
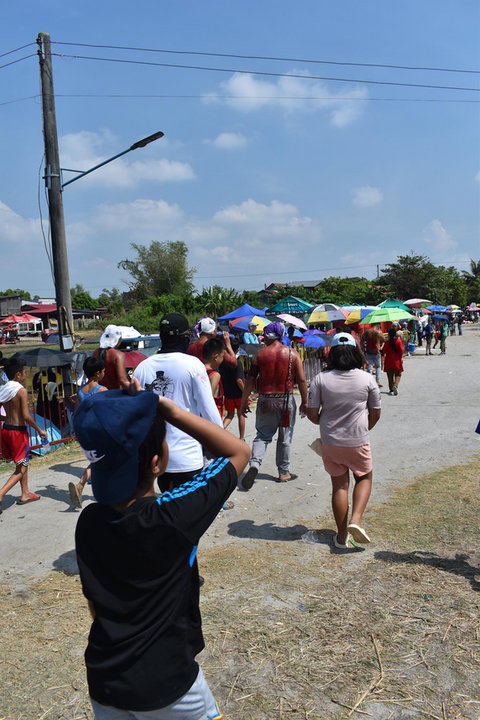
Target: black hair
{"type": "Point", "coordinates": [344, 357]}
{"type": "Point", "coordinates": [291, 332]}
{"type": "Point", "coordinates": [92, 365]}
{"type": "Point", "coordinates": [152, 445]}
{"type": "Point", "coordinates": [235, 343]}
{"type": "Point", "coordinates": [12, 367]}
{"type": "Point", "coordinates": [212, 347]}
{"type": "Point", "coordinates": [392, 335]}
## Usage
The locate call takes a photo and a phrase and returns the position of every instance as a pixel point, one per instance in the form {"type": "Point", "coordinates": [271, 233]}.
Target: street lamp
{"type": "Point", "coordinates": [135, 146]}
{"type": "Point", "coordinates": [53, 182]}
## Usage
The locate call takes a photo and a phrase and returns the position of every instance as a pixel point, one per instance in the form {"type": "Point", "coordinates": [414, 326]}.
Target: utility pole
{"type": "Point", "coordinates": [53, 182]}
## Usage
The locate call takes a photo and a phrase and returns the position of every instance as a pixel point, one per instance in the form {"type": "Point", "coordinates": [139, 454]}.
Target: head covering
{"type": "Point", "coordinates": [173, 324]}
{"type": "Point", "coordinates": [343, 339]}
{"type": "Point", "coordinates": [111, 427]}
{"type": "Point", "coordinates": [110, 337]}
{"type": "Point", "coordinates": [274, 330]}
{"type": "Point", "coordinates": [252, 324]}
{"type": "Point", "coordinates": [207, 325]}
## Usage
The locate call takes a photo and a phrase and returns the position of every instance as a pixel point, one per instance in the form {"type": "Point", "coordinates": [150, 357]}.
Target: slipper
{"type": "Point", "coordinates": [32, 498]}
{"type": "Point", "coordinates": [249, 478]}
{"type": "Point", "coordinates": [358, 533]}
{"type": "Point", "coordinates": [74, 495]}
{"type": "Point", "coordinates": [293, 476]}
{"type": "Point", "coordinates": [339, 545]}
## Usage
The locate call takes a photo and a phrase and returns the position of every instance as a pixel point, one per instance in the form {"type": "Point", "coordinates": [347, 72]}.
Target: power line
{"type": "Point", "coordinates": [266, 57]}
{"type": "Point", "coordinates": [18, 60]}
{"type": "Point", "coordinates": [252, 97]}
{"type": "Point", "coordinates": [264, 73]}
{"type": "Point", "coordinates": [29, 97]}
{"type": "Point", "coordinates": [22, 47]}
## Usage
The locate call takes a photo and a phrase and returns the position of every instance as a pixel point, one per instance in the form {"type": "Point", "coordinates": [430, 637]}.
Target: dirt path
{"type": "Point", "coordinates": [429, 425]}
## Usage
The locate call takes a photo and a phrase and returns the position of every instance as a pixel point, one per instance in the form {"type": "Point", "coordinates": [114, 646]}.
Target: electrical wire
{"type": "Point", "coordinates": [22, 47]}
{"type": "Point", "coordinates": [265, 73]}
{"type": "Point", "coordinates": [29, 97]}
{"type": "Point", "coordinates": [18, 60]}
{"type": "Point", "coordinates": [252, 97]}
{"type": "Point", "coordinates": [46, 239]}
{"type": "Point", "coordinates": [266, 57]}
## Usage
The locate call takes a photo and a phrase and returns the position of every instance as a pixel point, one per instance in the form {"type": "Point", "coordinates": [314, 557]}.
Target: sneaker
{"type": "Point", "coordinates": [395, 390]}
{"type": "Point", "coordinates": [249, 478]}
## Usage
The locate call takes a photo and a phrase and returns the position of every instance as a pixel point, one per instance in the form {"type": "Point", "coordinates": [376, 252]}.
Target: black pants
{"type": "Point", "coordinates": [170, 480]}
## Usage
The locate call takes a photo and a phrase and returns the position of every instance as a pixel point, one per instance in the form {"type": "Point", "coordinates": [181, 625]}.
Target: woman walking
{"type": "Point", "coordinates": [345, 401]}
{"type": "Point", "coordinates": [393, 366]}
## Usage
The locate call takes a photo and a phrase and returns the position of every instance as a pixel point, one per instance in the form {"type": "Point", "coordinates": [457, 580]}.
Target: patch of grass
{"type": "Point", "coordinates": [293, 630]}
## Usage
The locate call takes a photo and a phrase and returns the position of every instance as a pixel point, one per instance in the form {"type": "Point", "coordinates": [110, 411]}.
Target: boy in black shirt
{"type": "Point", "coordinates": [137, 556]}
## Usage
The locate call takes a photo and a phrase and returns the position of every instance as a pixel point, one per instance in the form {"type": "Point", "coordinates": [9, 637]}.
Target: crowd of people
{"type": "Point", "coordinates": [165, 427]}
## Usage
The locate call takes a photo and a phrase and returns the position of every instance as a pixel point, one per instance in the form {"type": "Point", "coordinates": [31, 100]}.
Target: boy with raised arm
{"type": "Point", "coordinates": [137, 556]}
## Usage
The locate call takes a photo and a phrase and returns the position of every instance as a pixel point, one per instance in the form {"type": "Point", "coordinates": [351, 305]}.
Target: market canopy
{"type": "Point", "coordinates": [25, 318]}
{"type": "Point", "coordinates": [394, 303]}
{"type": "Point", "coordinates": [290, 304]}
{"type": "Point", "coordinates": [243, 311]}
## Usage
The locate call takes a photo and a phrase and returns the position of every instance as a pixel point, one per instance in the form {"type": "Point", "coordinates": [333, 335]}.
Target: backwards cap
{"type": "Point", "coordinates": [111, 426]}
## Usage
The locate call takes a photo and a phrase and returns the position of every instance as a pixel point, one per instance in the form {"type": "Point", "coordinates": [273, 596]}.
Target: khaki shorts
{"type": "Point", "coordinates": [337, 459]}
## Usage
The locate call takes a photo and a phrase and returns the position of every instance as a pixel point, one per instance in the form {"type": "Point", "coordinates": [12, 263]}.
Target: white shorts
{"type": "Point", "coordinates": [197, 704]}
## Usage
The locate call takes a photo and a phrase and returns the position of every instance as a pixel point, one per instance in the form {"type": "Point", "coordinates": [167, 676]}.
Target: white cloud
{"type": "Point", "coordinates": [229, 141]}
{"type": "Point", "coordinates": [366, 196]}
{"type": "Point", "coordinates": [16, 229]}
{"type": "Point", "coordinates": [83, 150]}
{"type": "Point", "coordinates": [438, 237]}
{"type": "Point", "coordinates": [291, 94]}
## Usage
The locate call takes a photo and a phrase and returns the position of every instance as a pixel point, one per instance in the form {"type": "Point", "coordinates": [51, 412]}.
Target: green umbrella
{"type": "Point", "coordinates": [386, 314]}
{"type": "Point", "coordinates": [394, 303]}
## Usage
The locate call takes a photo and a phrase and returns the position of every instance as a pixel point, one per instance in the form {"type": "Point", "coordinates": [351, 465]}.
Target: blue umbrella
{"type": "Point", "coordinates": [313, 332]}
{"type": "Point", "coordinates": [437, 308]}
{"type": "Point", "coordinates": [314, 341]}
{"type": "Point", "coordinates": [439, 317]}
{"type": "Point", "coordinates": [243, 311]}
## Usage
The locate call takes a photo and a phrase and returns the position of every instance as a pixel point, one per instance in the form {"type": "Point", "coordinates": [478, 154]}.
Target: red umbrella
{"type": "Point", "coordinates": [13, 319]}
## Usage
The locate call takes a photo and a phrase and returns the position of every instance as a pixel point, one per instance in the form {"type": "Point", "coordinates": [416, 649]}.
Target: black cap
{"type": "Point", "coordinates": [173, 324]}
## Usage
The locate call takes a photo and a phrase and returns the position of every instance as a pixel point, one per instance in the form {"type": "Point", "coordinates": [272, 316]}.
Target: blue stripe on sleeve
{"type": "Point", "coordinates": [199, 480]}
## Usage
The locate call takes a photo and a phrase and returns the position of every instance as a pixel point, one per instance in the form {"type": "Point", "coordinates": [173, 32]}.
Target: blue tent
{"type": "Point", "coordinates": [243, 311]}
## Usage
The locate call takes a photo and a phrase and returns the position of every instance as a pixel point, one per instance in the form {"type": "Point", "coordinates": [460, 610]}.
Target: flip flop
{"type": "Point", "coordinates": [358, 533]}
{"type": "Point", "coordinates": [293, 476]}
{"type": "Point", "coordinates": [74, 495]}
{"type": "Point", "coordinates": [249, 478]}
{"type": "Point", "coordinates": [339, 545]}
{"type": "Point", "coordinates": [32, 498]}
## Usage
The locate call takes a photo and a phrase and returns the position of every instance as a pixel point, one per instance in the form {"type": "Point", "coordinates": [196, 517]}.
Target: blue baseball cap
{"type": "Point", "coordinates": [110, 427]}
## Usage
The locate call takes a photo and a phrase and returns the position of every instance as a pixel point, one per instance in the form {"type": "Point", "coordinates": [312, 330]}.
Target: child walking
{"type": "Point", "coordinates": [94, 369]}
{"type": "Point", "coordinates": [15, 442]}
{"type": "Point", "coordinates": [136, 554]}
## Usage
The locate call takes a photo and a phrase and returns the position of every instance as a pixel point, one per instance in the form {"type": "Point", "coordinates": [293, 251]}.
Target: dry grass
{"type": "Point", "coordinates": [293, 630]}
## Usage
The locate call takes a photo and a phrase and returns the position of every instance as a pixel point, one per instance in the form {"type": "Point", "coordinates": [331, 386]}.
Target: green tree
{"type": "Point", "coordinates": [81, 299]}
{"type": "Point", "coordinates": [23, 293]}
{"type": "Point", "coordinates": [216, 300]}
{"type": "Point", "coordinates": [111, 300]}
{"type": "Point", "coordinates": [411, 276]}
{"type": "Point", "coordinates": [472, 280]}
{"type": "Point", "coordinates": [159, 269]}
{"type": "Point", "coordinates": [347, 291]}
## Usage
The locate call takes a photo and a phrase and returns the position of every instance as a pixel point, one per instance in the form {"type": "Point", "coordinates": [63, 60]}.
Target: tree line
{"type": "Point", "coordinates": [161, 281]}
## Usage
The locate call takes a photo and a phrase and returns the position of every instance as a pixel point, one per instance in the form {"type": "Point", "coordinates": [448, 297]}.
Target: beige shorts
{"type": "Point", "coordinates": [337, 459]}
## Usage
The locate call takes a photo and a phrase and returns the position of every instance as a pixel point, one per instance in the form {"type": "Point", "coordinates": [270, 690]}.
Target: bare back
{"type": "Point", "coordinates": [273, 362]}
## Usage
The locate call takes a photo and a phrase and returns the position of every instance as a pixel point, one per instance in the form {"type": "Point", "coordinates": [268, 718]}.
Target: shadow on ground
{"type": "Point", "coordinates": [266, 531]}
{"type": "Point", "coordinates": [457, 565]}
{"type": "Point", "coordinates": [69, 468]}
{"type": "Point", "coordinates": [67, 563]}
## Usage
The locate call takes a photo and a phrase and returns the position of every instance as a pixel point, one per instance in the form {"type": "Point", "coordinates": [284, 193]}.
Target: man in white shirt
{"type": "Point", "coordinates": [183, 378]}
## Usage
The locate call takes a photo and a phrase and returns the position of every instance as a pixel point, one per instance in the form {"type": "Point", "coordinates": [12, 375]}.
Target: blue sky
{"type": "Point", "coordinates": [266, 178]}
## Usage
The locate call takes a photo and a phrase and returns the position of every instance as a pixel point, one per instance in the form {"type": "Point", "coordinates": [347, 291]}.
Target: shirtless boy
{"type": "Point", "coordinates": [277, 368]}
{"type": "Point", "coordinates": [14, 399]}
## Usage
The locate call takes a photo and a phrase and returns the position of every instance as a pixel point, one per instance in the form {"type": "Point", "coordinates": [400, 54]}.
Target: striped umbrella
{"type": "Point", "coordinates": [327, 312]}
{"type": "Point", "coordinates": [242, 323]}
{"type": "Point", "coordinates": [358, 314]}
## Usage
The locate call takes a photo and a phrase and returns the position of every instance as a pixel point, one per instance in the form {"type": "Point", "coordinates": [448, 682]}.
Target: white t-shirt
{"type": "Point", "coordinates": [343, 399]}
{"type": "Point", "coordinates": [183, 379]}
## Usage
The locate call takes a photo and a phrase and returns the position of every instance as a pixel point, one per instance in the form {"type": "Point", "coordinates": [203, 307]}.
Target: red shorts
{"type": "Point", "coordinates": [15, 445]}
{"type": "Point", "coordinates": [232, 404]}
{"type": "Point", "coordinates": [338, 459]}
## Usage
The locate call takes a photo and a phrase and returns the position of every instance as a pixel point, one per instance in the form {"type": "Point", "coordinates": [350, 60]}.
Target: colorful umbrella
{"type": "Point", "coordinates": [393, 303]}
{"type": "Point", "coordinates": [358, 314]}
{"type": "Point", "coordinates": [296, 322]}
{"type": "Point", "coordinates": [243, 323]}
{"type": "Point", "coordinates": [452, 308]}
{"type": "Point", "coordinates": [327, 312]}
{"type": "Point", "coordinates": [386, 314]}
